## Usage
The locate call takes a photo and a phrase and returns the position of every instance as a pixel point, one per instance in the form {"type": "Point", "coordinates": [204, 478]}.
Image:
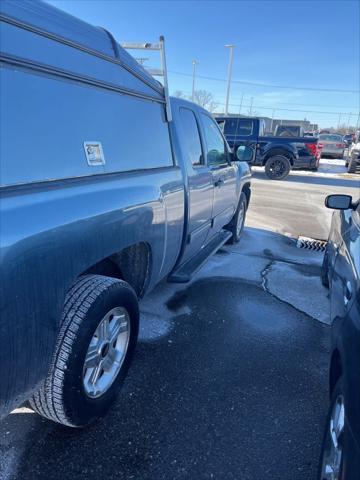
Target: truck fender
{"type": "Point", "coordinates": [280, 149]}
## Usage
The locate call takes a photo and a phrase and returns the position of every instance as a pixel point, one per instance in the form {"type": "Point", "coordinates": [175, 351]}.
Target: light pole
{"type": "Point", "coordinates": [251, 105]}
{"type": "Point", "coordinates": [194, 62]}
{"type": "Point", "coordinates": [231, 47]}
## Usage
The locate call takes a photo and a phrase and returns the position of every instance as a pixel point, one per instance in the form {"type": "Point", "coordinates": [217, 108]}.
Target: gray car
{"type": "Point", "coordinates": [332, 145]}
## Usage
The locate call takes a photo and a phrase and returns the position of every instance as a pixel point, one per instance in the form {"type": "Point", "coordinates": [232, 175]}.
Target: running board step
{"type": "Point", "coordinates": [184, 272]}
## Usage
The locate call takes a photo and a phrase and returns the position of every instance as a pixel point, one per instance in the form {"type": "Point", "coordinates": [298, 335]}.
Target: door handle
{"type": "Point", "coordinates": [347, 292]}
{"type": "Point", "coordinates": [218, 182]}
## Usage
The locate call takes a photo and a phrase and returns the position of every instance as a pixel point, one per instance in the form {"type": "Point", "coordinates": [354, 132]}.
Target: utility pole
{"type": "Point", "coordinates": [194, 63]}
{"type": "Point", "coordinates": [347, 130]}
{"type": "Point", "coordinates": [231, 53]}
{"type": "Point", "coordinates": [251, 105]}
{"type": "Point", "coordinates": [272, 120]}
{"type": "Point", "coordinates": [241, 102]}
{"type": "Point", "coordinates": [339, 121]}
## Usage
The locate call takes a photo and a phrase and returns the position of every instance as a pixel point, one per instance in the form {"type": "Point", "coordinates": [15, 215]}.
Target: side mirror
{"type": "Point", "coordinates": [339, 202]}
{"type": "Point", "coordinates": [244, 153]}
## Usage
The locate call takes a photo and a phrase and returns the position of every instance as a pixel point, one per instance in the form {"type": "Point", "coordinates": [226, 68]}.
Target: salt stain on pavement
{"type": "Point", "coordinates": [292, 276]}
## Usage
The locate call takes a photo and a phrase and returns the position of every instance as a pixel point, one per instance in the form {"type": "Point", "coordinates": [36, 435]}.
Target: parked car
{"type": "Point", "coordinates": [332, 145]}
{"type": "Point", "coordinates": [348, 139]}
{"type": "Point", "coordinates": [340, 456]}
{"type": "Point", "coordinates": [103, 195]}
{"type": "Point", "coordinates": [278, 154]}
{"type": "Point", "coordinates": [289, 131]}
{"type": "Point", "coordinates": [353, 159]}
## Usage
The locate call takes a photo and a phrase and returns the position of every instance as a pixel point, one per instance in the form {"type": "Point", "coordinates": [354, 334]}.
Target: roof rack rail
{"type": "Point", "coordinates": [155, 72]}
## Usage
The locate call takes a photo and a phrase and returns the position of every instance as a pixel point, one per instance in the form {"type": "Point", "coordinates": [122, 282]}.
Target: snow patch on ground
{"type": "Point", "coordinates": [233, 265]}
{"type": "Point", "coordinates": [155, 316]}
{"type": "Point", "coordinates": [328, 167]}
{"type": "Point", "coordinates": [300, 287]}
{"type": "Point", "coordinates": [153, 326]}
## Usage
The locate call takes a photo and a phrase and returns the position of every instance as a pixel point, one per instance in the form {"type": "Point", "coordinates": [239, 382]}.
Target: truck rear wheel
{"type": "Point", "coordinates": [277, 167]}
{"type": "Point", "coordinates": [94, 350]}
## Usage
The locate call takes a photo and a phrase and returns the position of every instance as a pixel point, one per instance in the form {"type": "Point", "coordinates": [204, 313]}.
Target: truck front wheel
{"type": "Point", "coordinates": [237, 223]}
{"type": "Point", "coordinates": [277, 167]}
{"type": "Point", "coordinates": [94, 350]}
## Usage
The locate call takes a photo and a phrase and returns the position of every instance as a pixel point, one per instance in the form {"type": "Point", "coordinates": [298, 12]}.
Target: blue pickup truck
{"type": "Point", "coordinates": [103, 194]}
{"type": "Point", "coordinates": [278, 154]}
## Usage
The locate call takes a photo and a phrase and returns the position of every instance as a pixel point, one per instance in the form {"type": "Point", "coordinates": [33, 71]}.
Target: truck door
{"type": "Point", "coordinates": [346, 273]}
{"type": "Point", "coordinates": [199, 181]}
{"type": "Point", "coordinates": [223, 173]}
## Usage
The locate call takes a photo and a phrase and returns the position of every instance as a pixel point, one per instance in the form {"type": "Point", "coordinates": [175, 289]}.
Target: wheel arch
{"type": "Point", "coordinates": [133, 264]}
{"type": "Point", "coordinates": [247, 191]}
{"type": "Point", "coordinates": [279, 151]}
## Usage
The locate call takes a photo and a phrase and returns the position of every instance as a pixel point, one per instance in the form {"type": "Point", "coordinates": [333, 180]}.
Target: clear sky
{"type": "Point", "coordinates": [310, 45]}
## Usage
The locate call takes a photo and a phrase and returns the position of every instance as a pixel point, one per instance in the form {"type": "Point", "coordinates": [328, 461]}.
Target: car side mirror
{"type": "Point", "coordinates": [244, 153]}
{"type": "Point", "coordinates": [339, 202]}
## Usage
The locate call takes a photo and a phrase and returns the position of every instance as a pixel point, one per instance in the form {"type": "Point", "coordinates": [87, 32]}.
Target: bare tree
{"type": "Point", "coordinates": [179, 94]}
{"type": "Point", "coordinates": [205, 99]}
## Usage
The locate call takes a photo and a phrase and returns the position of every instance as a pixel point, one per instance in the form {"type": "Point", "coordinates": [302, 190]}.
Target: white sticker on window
{"type": "Point", "coordinates": [94, 153]}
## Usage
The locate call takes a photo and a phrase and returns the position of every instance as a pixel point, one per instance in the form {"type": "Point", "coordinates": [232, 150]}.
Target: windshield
{"type": "Point", "coordinates": [330, 138]}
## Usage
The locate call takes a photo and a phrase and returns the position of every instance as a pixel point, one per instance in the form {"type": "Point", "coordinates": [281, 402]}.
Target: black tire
{"type": "Point", "coordinates": [325, 269]}
{"type": "Point", "coordinates": [62, 397]}
{"type": "Point", "coordinates": [336, 397]}
{"type": "Point", "coordinates": [234, 226]}
{"type": "Point", "coordinates": [277, 167]}
{"type": "Point", "coordinates": [352, 165]}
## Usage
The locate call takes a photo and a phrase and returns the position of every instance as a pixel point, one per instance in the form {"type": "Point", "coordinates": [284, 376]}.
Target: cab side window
{"type": "Point", "coordinates": [216, 152]}
{"type": "Point", "coordinates": [236, 126]}
{"type": "Point", "coordinates": [191, 136]}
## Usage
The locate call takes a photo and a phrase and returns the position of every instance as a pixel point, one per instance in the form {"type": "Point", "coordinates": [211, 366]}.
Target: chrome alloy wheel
{"type": "Point", "coordinates": [106, 352]}
{"type": "Point", "coordinates": [331, 467]}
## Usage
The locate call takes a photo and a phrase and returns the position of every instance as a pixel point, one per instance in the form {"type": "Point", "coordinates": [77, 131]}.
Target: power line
{"type": "Point", "coordinates": [258, 84]}
{"type": "Point", "coordinates": [316, 105]}
{"type": "Point", "coordinates": [274, 107]}
{"type": "Point", "coordinates": [293, 110]}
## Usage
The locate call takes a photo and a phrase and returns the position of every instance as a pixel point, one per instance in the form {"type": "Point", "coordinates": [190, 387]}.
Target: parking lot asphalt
{"type": "Point", "coordinates": [295, 206]}
{"type": "Point", "coordinates": [237, 390]}
{"type": "Point", "coordinates": [230, 376]}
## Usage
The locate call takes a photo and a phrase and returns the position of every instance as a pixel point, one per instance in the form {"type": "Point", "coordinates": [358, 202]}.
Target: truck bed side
{"type": "Point", "coordinates": [62, 216]}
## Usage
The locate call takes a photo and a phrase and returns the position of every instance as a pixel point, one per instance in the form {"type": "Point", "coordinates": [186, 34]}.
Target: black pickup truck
{"type": "Point", "coordinates": [277, 154]}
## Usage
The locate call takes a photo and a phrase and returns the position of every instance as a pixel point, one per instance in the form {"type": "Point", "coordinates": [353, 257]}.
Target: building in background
{"type": "Point", "coordinates": [271, 123]}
